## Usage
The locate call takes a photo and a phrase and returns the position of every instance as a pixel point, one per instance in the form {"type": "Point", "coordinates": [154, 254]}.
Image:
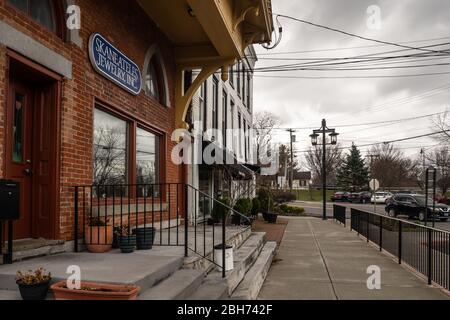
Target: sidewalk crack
{"type": "Point", "coordinates": [323, 259]}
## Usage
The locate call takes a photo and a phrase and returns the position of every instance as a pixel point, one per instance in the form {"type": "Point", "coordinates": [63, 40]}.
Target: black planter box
{"type": "Point", "coordinates": [34, 291]}
{"type": "Point", "coordinates": [145, 237]}
{"type": "Point", "coordinates": [272, 218]}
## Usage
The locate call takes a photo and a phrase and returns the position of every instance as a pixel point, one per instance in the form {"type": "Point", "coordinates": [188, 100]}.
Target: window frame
{"type": "Point", "coordinates": [57, 12]}
{"type": "Point", "coordinates": [224, 117]}
{"type": "Point", "coordinates": [132, 124]}
{"type": "Point", "coordinates": [156, 63]}
{"type": "Point", "coordinates": [215, 104]}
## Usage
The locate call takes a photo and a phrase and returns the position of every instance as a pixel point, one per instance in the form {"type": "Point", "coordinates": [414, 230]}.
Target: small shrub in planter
{"type": "Point", "coordinates": [272, 217]}
{"type": "Point", "coordinates": [256, 207]}
{"type": "Point", "coordinates": [127, 241]}
{"type": "Point", "coordinates": [266, 200]}
{"type": "Point", "coordinates": [243, 206]}
{"type": "Point", "coordinates": [33, 285]}
{"type": "Point", "coordinates": [219, 211]}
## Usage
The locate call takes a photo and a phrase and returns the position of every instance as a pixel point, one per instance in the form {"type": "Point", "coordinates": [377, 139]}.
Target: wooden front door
{"type": "Point", "coordinates": [20, 155]}
{"type": "Point", "coordinates": [30, 155]}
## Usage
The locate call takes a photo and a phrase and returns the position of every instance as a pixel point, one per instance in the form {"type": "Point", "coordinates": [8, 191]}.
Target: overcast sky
{"type": "Point", "coordinates": [304, 102]}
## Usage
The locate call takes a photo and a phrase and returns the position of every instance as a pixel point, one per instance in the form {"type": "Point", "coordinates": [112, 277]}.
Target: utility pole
{"type": "Point", "coordinates": [291, 176]}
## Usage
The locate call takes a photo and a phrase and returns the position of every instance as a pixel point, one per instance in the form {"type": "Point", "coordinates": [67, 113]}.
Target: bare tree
{"type": "Point", "coordinates": [263, 126]}
{"type": "Point", "coordinates": [334, 160]}
{"type": "Point", "coordinates": [392, 168]}
{"type": "Point", "coordinates": [442, 123]}
{"type": "Point", "coordinates": [440, 158]}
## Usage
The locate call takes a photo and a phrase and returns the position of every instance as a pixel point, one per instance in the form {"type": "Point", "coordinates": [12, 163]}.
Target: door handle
{"type": "Point", "coordinates": [28, 172]}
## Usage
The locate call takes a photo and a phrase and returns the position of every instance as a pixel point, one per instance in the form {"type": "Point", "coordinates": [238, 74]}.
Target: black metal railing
{"type": "Point", "coordinates": [339, 214]}
{"type": "Point", "coordinates": [210, 220]}
{"type": "Point", "coordinates": [169, 211]}
{"type": "Point", "coordinates": [425, 249]}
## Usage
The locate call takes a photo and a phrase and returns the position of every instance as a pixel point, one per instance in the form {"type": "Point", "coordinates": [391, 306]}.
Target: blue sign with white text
{"type": "Point", "coordinates": [114, 65]}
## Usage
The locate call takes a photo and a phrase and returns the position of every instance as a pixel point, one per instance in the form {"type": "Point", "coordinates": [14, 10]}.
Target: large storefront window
{"type": "Point", "coordinates": [147, 162]}
{"type": "Point", "coordinates": [110, 149]}
{"type": "Point", "coordinates": [124, 154]}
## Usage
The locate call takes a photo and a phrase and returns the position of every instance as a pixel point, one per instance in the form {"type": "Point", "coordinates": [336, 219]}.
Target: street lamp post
{"type": "Point", "coordinates": [333, 135]}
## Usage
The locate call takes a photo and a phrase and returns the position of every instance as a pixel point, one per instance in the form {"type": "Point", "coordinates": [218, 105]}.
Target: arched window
{"type": "Point", "coordinates": [152, 82]}
{"type": "Point", "coordinates": [44, 12]}
{"type": "Point", "coordinates": [155, 83]}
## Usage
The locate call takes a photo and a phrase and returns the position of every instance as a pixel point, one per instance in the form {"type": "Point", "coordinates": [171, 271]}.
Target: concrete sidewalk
{"type": "Point", "coordinates": [322, 260]}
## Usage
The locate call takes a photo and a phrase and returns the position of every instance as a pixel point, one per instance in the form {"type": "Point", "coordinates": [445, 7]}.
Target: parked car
{"type": "Point", "coordinates": [381, 197]}
{"type": "Point", "coordinates": [340, 196]}
{"type": "Point", "coordinates": [414, 207]}
{"type": "Point", "coordinates": [360, 197]}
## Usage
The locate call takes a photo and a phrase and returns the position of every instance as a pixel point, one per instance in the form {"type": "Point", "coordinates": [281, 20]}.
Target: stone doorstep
{"type": "Point", "coordinates": [250, 287]}
{"type": "Point", "coordinates": [197, 262]}
{"type": "Point", "coordinates": [32, 248]}
{"type": "Point", "coordinates": [178, 286]}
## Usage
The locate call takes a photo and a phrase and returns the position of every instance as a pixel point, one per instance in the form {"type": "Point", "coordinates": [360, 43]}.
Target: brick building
{"type": "Point", "coordinates": [65, 121]}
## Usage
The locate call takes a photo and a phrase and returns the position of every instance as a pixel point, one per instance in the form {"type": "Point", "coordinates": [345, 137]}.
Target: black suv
{"type": "Point", "coordinates": [413, 205]}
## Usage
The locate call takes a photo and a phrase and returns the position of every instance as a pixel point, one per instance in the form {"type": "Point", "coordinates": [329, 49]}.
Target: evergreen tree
{"type": "Point", "coordinates": [353, 174]}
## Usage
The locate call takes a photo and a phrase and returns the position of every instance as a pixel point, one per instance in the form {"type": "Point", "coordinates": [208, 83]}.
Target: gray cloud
{"type": "Point", "coordinates": [304, 102]}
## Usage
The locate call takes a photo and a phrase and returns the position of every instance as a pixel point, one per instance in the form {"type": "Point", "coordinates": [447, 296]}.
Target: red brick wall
{"type": "Point", "coordinates": [127, 27]}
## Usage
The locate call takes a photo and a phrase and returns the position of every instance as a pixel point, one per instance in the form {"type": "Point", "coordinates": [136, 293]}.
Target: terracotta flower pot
{"type": "Point", "coordinates": [99, 239]}
{"type": "Point", "coordinates": [95, 291]}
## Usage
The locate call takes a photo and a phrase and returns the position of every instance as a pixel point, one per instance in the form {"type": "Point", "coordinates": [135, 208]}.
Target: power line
{"type": "Point", "coordinates": [347, 48]}
{"type": "Point", "coordinates": [364, 124]}
{"type": "Point", "coordinates": [354, 77]}
{"type": "Point", "coordinates": [356, 35]}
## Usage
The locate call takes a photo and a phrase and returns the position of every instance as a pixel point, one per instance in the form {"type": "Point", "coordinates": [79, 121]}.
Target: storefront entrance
{"type": "Point", "coordinates": [31, 145]}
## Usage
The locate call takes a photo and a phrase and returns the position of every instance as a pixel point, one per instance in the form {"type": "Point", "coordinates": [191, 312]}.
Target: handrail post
{"type": "Point", "coordinates": [75, 231]}
{"type": "Point", "coordinates": [381, 233]}
{"type": "Point", "coordinates": [368, 230]}
{"type": "Point", "coordinates": [400, 236]}
{"type": "Point", "coordinates": [429, 257]}
{"type": "Point", "coordinates": [186, 220]}
{"type": "Point", "coordinates": [223, 244]}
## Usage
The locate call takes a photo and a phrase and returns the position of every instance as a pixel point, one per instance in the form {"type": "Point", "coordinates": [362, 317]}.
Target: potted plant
{"type": "Point", "coordinates": [127, 240]}
{"type": "Point", "coordinates": [144, 237]}
{"type": "Point", "coordinates": [98, 235]}
{"type": "Point", "coordinates": [256, 207]}
{"type": "Point", "coordinates": [219, 211]}
{"type": "Point", "coordinates": [95, 291]}
{"type": "Point", "coordinates": [33, 285]}
{"type": "Point", "coordinates": [272, 215]}
{"type": "Point", "coordinates": [243, 206]}
{"type": "Point", "coordinates": [265, 198]}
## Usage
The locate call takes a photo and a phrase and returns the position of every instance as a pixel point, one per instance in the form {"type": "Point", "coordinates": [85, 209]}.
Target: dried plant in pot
{"type": "Point", "coordinates": [33, 285]}
{"type": "Point", "coordinates": [98, 235]}
{"type": "Point", "coordinates": [127, 240]}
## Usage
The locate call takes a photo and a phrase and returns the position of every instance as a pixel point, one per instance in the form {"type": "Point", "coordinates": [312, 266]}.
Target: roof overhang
{"type": "Point", "coordinates": [215, 29]}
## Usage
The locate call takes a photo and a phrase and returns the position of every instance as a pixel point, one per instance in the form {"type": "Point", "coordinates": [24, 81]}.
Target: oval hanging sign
{"type": "Point", "coordinates": [114, 65]}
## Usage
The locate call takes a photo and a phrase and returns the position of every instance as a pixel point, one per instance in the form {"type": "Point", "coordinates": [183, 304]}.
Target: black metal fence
{"type": "Point", "coordinates": [104, 214]}
{"type": "Point", "coordinates": [425, 249]}
{"type": "Point", "coordinates": [339, 214]}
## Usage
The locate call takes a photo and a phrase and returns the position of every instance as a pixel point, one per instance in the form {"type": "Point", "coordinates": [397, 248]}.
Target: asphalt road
{"type": "Point", "coordinates": [315, 209]}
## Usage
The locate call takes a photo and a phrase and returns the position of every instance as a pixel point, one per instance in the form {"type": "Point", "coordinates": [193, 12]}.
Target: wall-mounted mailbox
{"type": "Point", "coordinates": [9, 200]}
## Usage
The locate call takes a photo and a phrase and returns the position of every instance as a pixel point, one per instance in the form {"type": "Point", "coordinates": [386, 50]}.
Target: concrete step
{"type": "Point", "coordinates": [244, 257]}
{"type": "Point", "coordinates": [179, 286]}
{"type": "Point", "coordinates": [249, 288]}
{"type": "Point", "coordinates": [211, 289]}
{"type": "Point", "coordinates": [236, 238]}
{"type": "Point", "coordinates": [7, 295]}
{"type": "Point", "coordinates": [143, 268]}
